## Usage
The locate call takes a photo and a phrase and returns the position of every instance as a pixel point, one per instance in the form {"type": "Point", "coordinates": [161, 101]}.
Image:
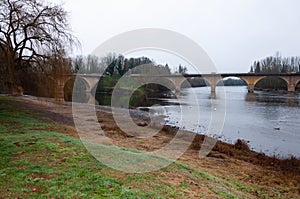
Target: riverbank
{"type": "Point", "coordinates": [41, 156]}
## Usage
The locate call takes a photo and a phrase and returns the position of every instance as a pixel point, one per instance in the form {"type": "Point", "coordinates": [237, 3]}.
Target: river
{"type": "Point", "coordinates": [268, 121]}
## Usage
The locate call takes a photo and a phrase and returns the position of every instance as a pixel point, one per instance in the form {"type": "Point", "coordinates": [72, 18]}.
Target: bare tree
{"type": "Point", "coordinates": [31, 31]}
{"type": "Point", "coordinates": [79, 64]}
{"type": "Point", "coordinates": [277, 64]}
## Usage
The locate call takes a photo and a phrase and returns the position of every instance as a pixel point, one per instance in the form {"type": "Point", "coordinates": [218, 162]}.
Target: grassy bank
{"type": "Point", "coordinates": [42, 159]}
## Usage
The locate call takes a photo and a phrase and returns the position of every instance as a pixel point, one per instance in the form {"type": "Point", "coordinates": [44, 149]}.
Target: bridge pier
{"type": "Point", "coordinates": [177, 89]}
{"type": "Point", "coordinates": [177, 81]}
{"type": "Point", "coordinates": [91, 98]}
{"type": "Point", "coordinates": [212, 80]}
{"type": "Point", "coordinates": [291, 88]}
{"type": "Point", "coordinates": [251, 88]}
{"type": "Point", "coordinates": [59, 91]}
{"type": "Point", "coordinates": [213, 89]}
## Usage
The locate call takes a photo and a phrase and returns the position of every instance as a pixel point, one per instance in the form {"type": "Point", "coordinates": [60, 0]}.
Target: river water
{"type": "Point", "coordinates": [268, 121]}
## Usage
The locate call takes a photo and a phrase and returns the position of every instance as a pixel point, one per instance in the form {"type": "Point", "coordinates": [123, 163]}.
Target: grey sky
{"type": "Point", "coordinates": [234, 33]}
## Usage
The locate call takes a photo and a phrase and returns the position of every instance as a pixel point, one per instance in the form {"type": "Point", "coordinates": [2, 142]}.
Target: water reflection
{"type": "Point", "coordinates": [141, 99]}
{"type": "Point", "coordinates": [213, 96]}
{"type": "Point", "coordinates": [279, 99]}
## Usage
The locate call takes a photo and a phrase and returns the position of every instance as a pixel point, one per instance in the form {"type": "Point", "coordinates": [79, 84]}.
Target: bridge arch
{"type": "Point", "coordinates": [193, 82]}
{"type": "Point", "coordinates": [234, 79]}
{"type": "Point", "coordinates": [82, 87]}
{"type": "Point", "coordinates": [90, 82]}
{"type": "Point", "coordinates": [283, 81]}
{"type": "Point", "coordinates": [177, 81]}
{"type": "Point", "coordinates": [297, 85]}
{"type": "Point", "coordinates": [251, 81]}
{"type": "Point", "coordinates": [170, 82]}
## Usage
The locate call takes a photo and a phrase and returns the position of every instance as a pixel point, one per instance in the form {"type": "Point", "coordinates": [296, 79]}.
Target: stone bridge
{"type": "Point", "coordinates": [90, 81]}
{"type": "Point", "coordinates": [251, 79]}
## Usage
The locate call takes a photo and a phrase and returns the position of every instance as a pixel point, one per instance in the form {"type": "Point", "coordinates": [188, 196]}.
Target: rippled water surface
{"type": "Point", "coordinates": [269, 121]}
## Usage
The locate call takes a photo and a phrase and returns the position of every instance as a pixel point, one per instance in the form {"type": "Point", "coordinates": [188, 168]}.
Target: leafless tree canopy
{"type": "Point", "coordinates": [30, 32]}
{"type": "Point", "coordinates": [276, 64]}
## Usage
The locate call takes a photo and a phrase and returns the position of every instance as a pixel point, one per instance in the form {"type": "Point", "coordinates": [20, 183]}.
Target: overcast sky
{"type": "Point", "coordinates": [234, 33]}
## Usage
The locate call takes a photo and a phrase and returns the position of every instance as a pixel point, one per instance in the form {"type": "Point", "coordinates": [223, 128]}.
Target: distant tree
{"type": "Point", "coordinates": [111, 68]}
{"type": "Point", "coordinates": [120, 65]}
{"type": "Point", "coordinates": [93, 64]}
{"type": "Point", "coordinates": [285, 65]}
{"type": "Point", "coordinates": [88, 64]}
{"type": "Point", "coordinates": [117, 65]}
{"type": "Point", "coordinates": [168, 70]}
{"type": "Point", "coordinates": [251, 69]}
{"type": "Point", "coordinates": [31, 31]}
{"type": "Point", "coordinates": [182, 69]}
{"type": "Point", "coordinates": [79, 64]}
{"type": "Point", "coordinates": [257, 67]}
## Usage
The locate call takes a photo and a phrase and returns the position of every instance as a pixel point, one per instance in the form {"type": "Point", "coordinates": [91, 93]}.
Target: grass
{"type": "Point", "coordinates": [40, 163]}
{"type": "Point", "coordinates": [37, 160]}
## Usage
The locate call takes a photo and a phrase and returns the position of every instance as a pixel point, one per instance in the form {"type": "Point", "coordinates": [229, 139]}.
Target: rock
{"type": "Point", "coordinates": [142, 124]}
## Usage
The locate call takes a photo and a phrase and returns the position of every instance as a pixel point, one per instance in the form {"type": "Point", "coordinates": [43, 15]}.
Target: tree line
{"type": "Point", "coordinates": [114, 64]}
{"type": "Point", "coordinates": [277, 64]}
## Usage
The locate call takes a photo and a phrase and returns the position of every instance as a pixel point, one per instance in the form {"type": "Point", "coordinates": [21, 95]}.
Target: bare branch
{"type": "Point", "coordinates": [32, 31]}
